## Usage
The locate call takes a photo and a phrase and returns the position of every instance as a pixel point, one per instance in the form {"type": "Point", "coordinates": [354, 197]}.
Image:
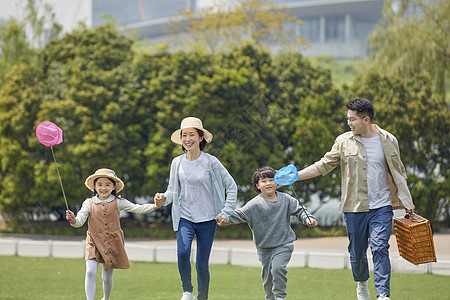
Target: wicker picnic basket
{"type": "Point", "coordinates": [414, 239]}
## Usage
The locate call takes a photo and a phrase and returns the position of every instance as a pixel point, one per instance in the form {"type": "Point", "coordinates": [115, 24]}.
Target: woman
{"type": "Point", "coordinates": [201, 190]}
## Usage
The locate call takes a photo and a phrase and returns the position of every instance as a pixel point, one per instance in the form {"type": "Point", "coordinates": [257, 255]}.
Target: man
{"type": "Point", "coordinates": [373, 184]}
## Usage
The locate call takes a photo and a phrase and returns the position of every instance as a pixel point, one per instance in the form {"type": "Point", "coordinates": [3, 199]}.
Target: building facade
{"type": "Point", "coordinates": [338, 28]}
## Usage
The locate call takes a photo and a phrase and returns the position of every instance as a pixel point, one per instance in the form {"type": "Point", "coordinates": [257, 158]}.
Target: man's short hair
{"type": "Point", "coordinates": [362, 106]}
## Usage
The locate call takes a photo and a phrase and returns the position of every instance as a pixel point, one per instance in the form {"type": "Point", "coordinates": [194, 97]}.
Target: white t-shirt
{"type": "Point", "coordinates": [196, 195]}
{"type": "Point", "coordinates": [377, 180]}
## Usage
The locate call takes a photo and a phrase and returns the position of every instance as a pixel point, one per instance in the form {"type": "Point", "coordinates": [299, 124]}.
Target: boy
{"type": "Point", "coordinates": [268, 216]}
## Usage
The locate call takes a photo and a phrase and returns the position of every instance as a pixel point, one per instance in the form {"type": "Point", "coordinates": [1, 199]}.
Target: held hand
{"type": "Point", "coordinates": [70, 216]}
{"type": "Point", "coordinates": [312, 223]}
{"type": "Point", "coordinates": [159, 200]}
{"type": "Point", "coordinates": [218, 218]}
{"type": "Point", "coordinates": [409, 211]}
{"type": "Point", "coordinates": [221, 221]}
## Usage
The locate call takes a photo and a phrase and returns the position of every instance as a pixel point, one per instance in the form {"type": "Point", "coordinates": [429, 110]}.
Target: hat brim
{"type": "Point", "coordinates": [90, 181]}
{"type": "Point", "coordinates": [176, 135]}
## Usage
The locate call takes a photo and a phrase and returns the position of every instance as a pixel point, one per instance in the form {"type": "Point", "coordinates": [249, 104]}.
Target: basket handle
{"type": "Point", "coordinates": [414, 218]}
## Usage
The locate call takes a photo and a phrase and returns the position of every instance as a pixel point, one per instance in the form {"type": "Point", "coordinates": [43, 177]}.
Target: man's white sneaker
{"type": "Point", "coordinates": [383, 297]}
{"type": "Point", "coordinates": [187, 296]}
{"type": "Point", "coordinates": [362, 291]}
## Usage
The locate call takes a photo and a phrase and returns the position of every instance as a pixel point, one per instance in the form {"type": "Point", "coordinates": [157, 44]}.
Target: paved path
{"type": "Point", "coordinates": [333, 244]}
{"type": "Point", "coordinates": [441, 243]}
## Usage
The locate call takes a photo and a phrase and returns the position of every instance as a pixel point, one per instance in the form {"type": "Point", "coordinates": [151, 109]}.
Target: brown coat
{"type": "Point", "coordinates": [105, 240]}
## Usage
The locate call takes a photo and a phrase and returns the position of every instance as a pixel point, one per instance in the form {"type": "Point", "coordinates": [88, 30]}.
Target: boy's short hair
{"type": "Point", "coordinates": [263, 172]}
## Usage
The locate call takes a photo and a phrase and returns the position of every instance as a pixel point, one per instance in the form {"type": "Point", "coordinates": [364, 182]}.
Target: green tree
{"type": "Point", "coordinates": [308, 114]}
{"type": "Point", "coordinates": [226, 92]}
{"type": "Point", "coordinates": [258, 108]}
{"type": "Point", "coordinates": [43, 27]}
{"type": "Point", "coordinates": [412, 38]}
{"type": "Point", "coordinates": [227, 24]}
{"type": "Point", "coordinates": [421, 122]}
{"type": "Point", "coordinates": [117, 109]}
{"type": "Point", "coordinates": [18, 159]}
{"type": "Point", "coordinates": [16, 46]}
{"type": "Point", "coordinates": [75, 82]}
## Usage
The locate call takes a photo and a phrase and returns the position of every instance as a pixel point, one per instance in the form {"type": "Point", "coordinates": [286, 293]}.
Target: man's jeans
{"type": "Point", "coordinates": [370, 228]}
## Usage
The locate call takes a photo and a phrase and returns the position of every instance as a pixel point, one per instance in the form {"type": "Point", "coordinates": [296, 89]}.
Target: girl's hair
{"type": "Point", "coordinates": [200, 134]}
{"type": "Point", "coordinates": [263, 172]}
{"type": "Point", "coordinates": [113, 192]}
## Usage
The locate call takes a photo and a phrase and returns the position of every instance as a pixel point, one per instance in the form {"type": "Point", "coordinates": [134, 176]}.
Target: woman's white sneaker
{"type": "Point", "coordinates": [362, 291]}
{"type": "Point", "coordinates": [187, 296]}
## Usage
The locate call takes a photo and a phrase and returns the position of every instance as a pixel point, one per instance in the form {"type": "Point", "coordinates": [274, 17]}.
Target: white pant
{"type": "Point", "coordinates": [89, 283]}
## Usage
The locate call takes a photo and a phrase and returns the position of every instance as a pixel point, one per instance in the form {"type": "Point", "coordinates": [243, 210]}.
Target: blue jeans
{"type": "Point", "coordinates": [370, 228]}
{"type": "Point", "coordinates": [205, 232]}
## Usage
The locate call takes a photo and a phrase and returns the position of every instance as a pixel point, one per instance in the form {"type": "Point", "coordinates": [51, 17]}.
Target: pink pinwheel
{"type": "Point", "coordinates": [48, 134]}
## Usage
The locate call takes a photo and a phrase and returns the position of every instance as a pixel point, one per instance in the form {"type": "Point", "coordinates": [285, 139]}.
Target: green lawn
{"type": "Point", "coordinates": [55, 278]}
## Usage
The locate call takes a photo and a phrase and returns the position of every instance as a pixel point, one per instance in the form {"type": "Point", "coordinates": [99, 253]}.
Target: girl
{"type": "Point", "coordinates": [197, 187]}
{"type": "Point", "coordinates": [104, 238]}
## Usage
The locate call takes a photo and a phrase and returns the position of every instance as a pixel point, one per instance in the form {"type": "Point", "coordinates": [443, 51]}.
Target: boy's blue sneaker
{"type": "Point", "coordinates": [383, 297]}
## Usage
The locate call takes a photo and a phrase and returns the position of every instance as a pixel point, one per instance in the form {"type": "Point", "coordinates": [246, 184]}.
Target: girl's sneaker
{"type": "Point", "coordinates": [187, 296]}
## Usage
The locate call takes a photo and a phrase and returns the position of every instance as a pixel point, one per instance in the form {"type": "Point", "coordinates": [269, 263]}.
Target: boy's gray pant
{"type": "Point", "coordinates": [274, 270]}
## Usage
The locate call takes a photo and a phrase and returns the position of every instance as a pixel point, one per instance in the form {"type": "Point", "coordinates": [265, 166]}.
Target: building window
{"type": "Point", "coordinates": [135, 11]}
{"type": "Point", "coordinates": [362, 30]}
{"type": "Point", "coordinates": [310, 29]}
{"type": "Point", "coordinates": [335, 29]}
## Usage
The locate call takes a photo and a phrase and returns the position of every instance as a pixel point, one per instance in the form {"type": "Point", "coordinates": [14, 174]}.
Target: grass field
{"type": "Point", "coordinates": [55, 278]}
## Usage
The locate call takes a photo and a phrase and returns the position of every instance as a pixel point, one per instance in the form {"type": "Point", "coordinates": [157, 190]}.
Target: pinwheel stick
{"type": "Point", "coordinates": [288, 176]}
{"type": "Point", "coordinates": [49, 134]}
{"type": "Point", "coordinates": [60, 181]}
{"type": "Point", "coordinates": [296, 197]}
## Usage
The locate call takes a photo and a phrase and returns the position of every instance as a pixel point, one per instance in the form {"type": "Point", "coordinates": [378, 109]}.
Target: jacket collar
{"type": "Point", "coordinates": [96, 200]}
{"type": "Point", "coordinates": [358, 137]}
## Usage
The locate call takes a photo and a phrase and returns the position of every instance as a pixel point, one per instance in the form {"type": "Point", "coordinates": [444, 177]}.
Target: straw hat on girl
{"type": "Point", "coordinates": [108, 173]}
{"type": "Point", "coordinates": [190, 122]}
